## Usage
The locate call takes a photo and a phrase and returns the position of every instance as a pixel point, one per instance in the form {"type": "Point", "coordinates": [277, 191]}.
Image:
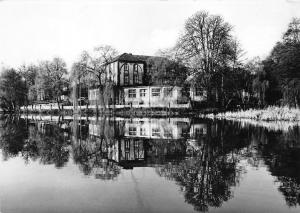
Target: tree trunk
{"type": "Point", "coordinates": [101, 98]}
{"type": "Point", "coordinates": [296, 103]}
{"type": "Point", "coordinates": [75, 99]}
{"type": "Point", "coordinates": [58, 104]}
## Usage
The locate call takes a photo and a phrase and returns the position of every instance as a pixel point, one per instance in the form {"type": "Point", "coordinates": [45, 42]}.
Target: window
{"type": "Point", "coordinates": [198, 132]}
{"type": "Point", "coordinates": [126, 74]}
{"type": "Point", "coordinates": [127, 155]}
{"type": "Point", "coordinates": [199, 92]}
{"type": "Point", "coordinates": [131, 93]}
{"type": "Point", "coordinates": [168, 92]}
{"type": "Point", "coordinates": [126, 67]}
{"type": "Point", "coordinates": [143, 132]}
{"type": "Point", "coordinates": [126, 78]}
{"type": "Point", "coordinates": [155, 92]}
{"type": "Point", "coordinates": [142, 92]}
{"type": "Point", "coordinates": [138, 150]}
{"type": "Point", "coordinates": [132, 130]}
{"type": "Point", "coordinates": [127, 144]}
{"type": "Point", "coordinates": [168, 133]}
{"type": "Point", "coordinates": [156, 132]}
{"type": "Point", "coordinates": [135, 74]}
{"type": "Point", "coordinates": [136, 144]}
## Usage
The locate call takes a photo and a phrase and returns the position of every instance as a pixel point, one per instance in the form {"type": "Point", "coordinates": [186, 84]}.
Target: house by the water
{"type": "Point", "coordinates": [136, 81]}
{"type": "Point", "coordinates": [131, 76]}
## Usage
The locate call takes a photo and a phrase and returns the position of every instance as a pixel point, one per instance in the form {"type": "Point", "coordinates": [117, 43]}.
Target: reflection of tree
{"type": "Point", "coordinates": [54, 150]}
{"type": "Point", "coordinates": [93, 153]}
{"type": "Point", "coordinates": [163, 151]}
{"type": "Point", "coordinates": [205, 181]}
{"type": "Point", "coordinates": [40, 141]}
{"type": "Point", "coordinates": [30, 149]}
{"type": "Point", "coordinates": [207, 175]}
{"type": "Point", "coordinates": [205, 166]}
{"type": "Point", "coordinates": [12, 136]}
{"type": "Point", "coordinates": [92, 158]}
{"type": "Point", "coordinates": [281, 152]}
{"type": "Point", "coordinates": [48, 143]}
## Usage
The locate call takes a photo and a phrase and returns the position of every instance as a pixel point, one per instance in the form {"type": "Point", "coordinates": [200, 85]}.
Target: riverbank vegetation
{"type": "Point", "coordinates": [271, 113]}
{"type": "Point", "coordinates": [207, 55]}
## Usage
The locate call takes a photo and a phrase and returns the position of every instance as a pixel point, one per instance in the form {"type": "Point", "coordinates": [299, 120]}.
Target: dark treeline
{"type": "Point", "coordinates": [27, 84]}
{"type": "Point", "coordinates": [277, 79]}
{"type": "Point", "coordinates": [215, 61]}
{"type": "Point", "coordinates": [206, 56]}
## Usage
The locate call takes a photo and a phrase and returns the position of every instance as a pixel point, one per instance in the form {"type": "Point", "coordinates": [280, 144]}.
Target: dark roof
{"type": "Point", "coordinates": [135, 58]}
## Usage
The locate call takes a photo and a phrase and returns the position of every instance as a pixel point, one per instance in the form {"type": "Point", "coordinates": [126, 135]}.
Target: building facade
{"type": "Point", "coordinates": [131, 88]}
{"type": "Point", "coordinates": [155, 97]}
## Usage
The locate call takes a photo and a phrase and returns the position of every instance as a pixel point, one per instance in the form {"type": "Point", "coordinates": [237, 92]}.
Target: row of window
{"type": "Point", "coordinates": [155, 92]}
{"type": "Point", "coordinates": [155, 132]}
{"type": "Point", "coordinates": [136, 79]}
{"type": "Point", "coordinates": [136, 143]}
{"type": "Point", "coordinates": [135, 67]}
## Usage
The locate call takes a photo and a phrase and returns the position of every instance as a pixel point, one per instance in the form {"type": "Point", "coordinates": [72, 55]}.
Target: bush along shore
{"type": "Point", "coordinates": [271, 113]}
{"type": "Point", "coordinates": [126, 111]}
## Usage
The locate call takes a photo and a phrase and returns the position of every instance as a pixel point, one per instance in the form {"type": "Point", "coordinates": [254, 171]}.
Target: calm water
{"type": "Point", "coordinates": [146, 165]}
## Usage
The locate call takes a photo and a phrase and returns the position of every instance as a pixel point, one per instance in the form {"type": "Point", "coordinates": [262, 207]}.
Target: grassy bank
{"type": "Point", "coordinates": [271, 113]}
{"type": "Point", "coordinates": [136, 112]}
{"type": "Point", "coordinates": [126, 111]}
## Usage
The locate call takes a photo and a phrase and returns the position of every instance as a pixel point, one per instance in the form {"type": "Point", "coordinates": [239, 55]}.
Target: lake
{"type": "Point", "coordinates": [79, 164]}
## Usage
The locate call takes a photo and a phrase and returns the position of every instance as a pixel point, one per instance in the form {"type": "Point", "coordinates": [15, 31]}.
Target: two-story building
{"type": "Point", "coordinates": [132, 87]}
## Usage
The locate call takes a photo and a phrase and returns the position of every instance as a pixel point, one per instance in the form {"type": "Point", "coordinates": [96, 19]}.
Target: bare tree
{"type": "Point", "coordinates": [206, 46]}
{"type": "Point", "coordinates": [93, 67]}
{"type": "Point", "coordinates": [292, 35]}
{"type": "Point", "coordinates": [95, 63]}
{"type": "Point", "coordinates": [51, 79]}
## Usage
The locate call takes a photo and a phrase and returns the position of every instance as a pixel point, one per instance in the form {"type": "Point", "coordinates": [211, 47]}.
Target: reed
{"type": "Point", "coordinates": [271, 113]}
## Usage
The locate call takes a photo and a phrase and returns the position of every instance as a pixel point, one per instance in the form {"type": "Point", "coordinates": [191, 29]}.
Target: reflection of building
{"type": "Point", "coordinates": [198, 130]}
{"type": "Point", "coordinates": [102, 146]}
{"type": "Point", "coordinates": [107, 170]}
{"type": "Point", "coordinates": [173, 128]}
{"type": "Point", "coordinates": [138, 141]}
{"type": "Point", "coordinates": [132, 152]}
{"type": "Point", "coordinates": [124, 151]}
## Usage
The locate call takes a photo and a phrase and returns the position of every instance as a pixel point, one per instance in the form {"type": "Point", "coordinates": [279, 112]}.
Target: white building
{"type": "Point", "coordinates": [132, 89]}
{"type": "Point", "coordinates": [155, 96]}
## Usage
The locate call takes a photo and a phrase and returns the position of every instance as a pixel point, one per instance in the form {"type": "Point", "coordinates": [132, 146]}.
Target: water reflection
{"type": "Point", "coordinates": [281, 153]}
{"type": "Point", "coordinates": [206, 177]}
{"type": "Point", "coordinates": [201, 156]}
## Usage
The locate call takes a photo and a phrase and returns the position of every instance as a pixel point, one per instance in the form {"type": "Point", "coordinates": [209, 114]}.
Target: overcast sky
{"type": "Point", "coordinates": [36, 30]}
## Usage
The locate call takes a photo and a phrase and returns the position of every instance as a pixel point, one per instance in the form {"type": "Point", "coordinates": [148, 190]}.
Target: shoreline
{"type": "Point", "coordinates": [271, 113]}
{"type": "Point", "coordinates": [274, 125]}
{"type": "Point", "coordinates": [126, 112]}
{"type": "Point", "coordinates": [273, 118]}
